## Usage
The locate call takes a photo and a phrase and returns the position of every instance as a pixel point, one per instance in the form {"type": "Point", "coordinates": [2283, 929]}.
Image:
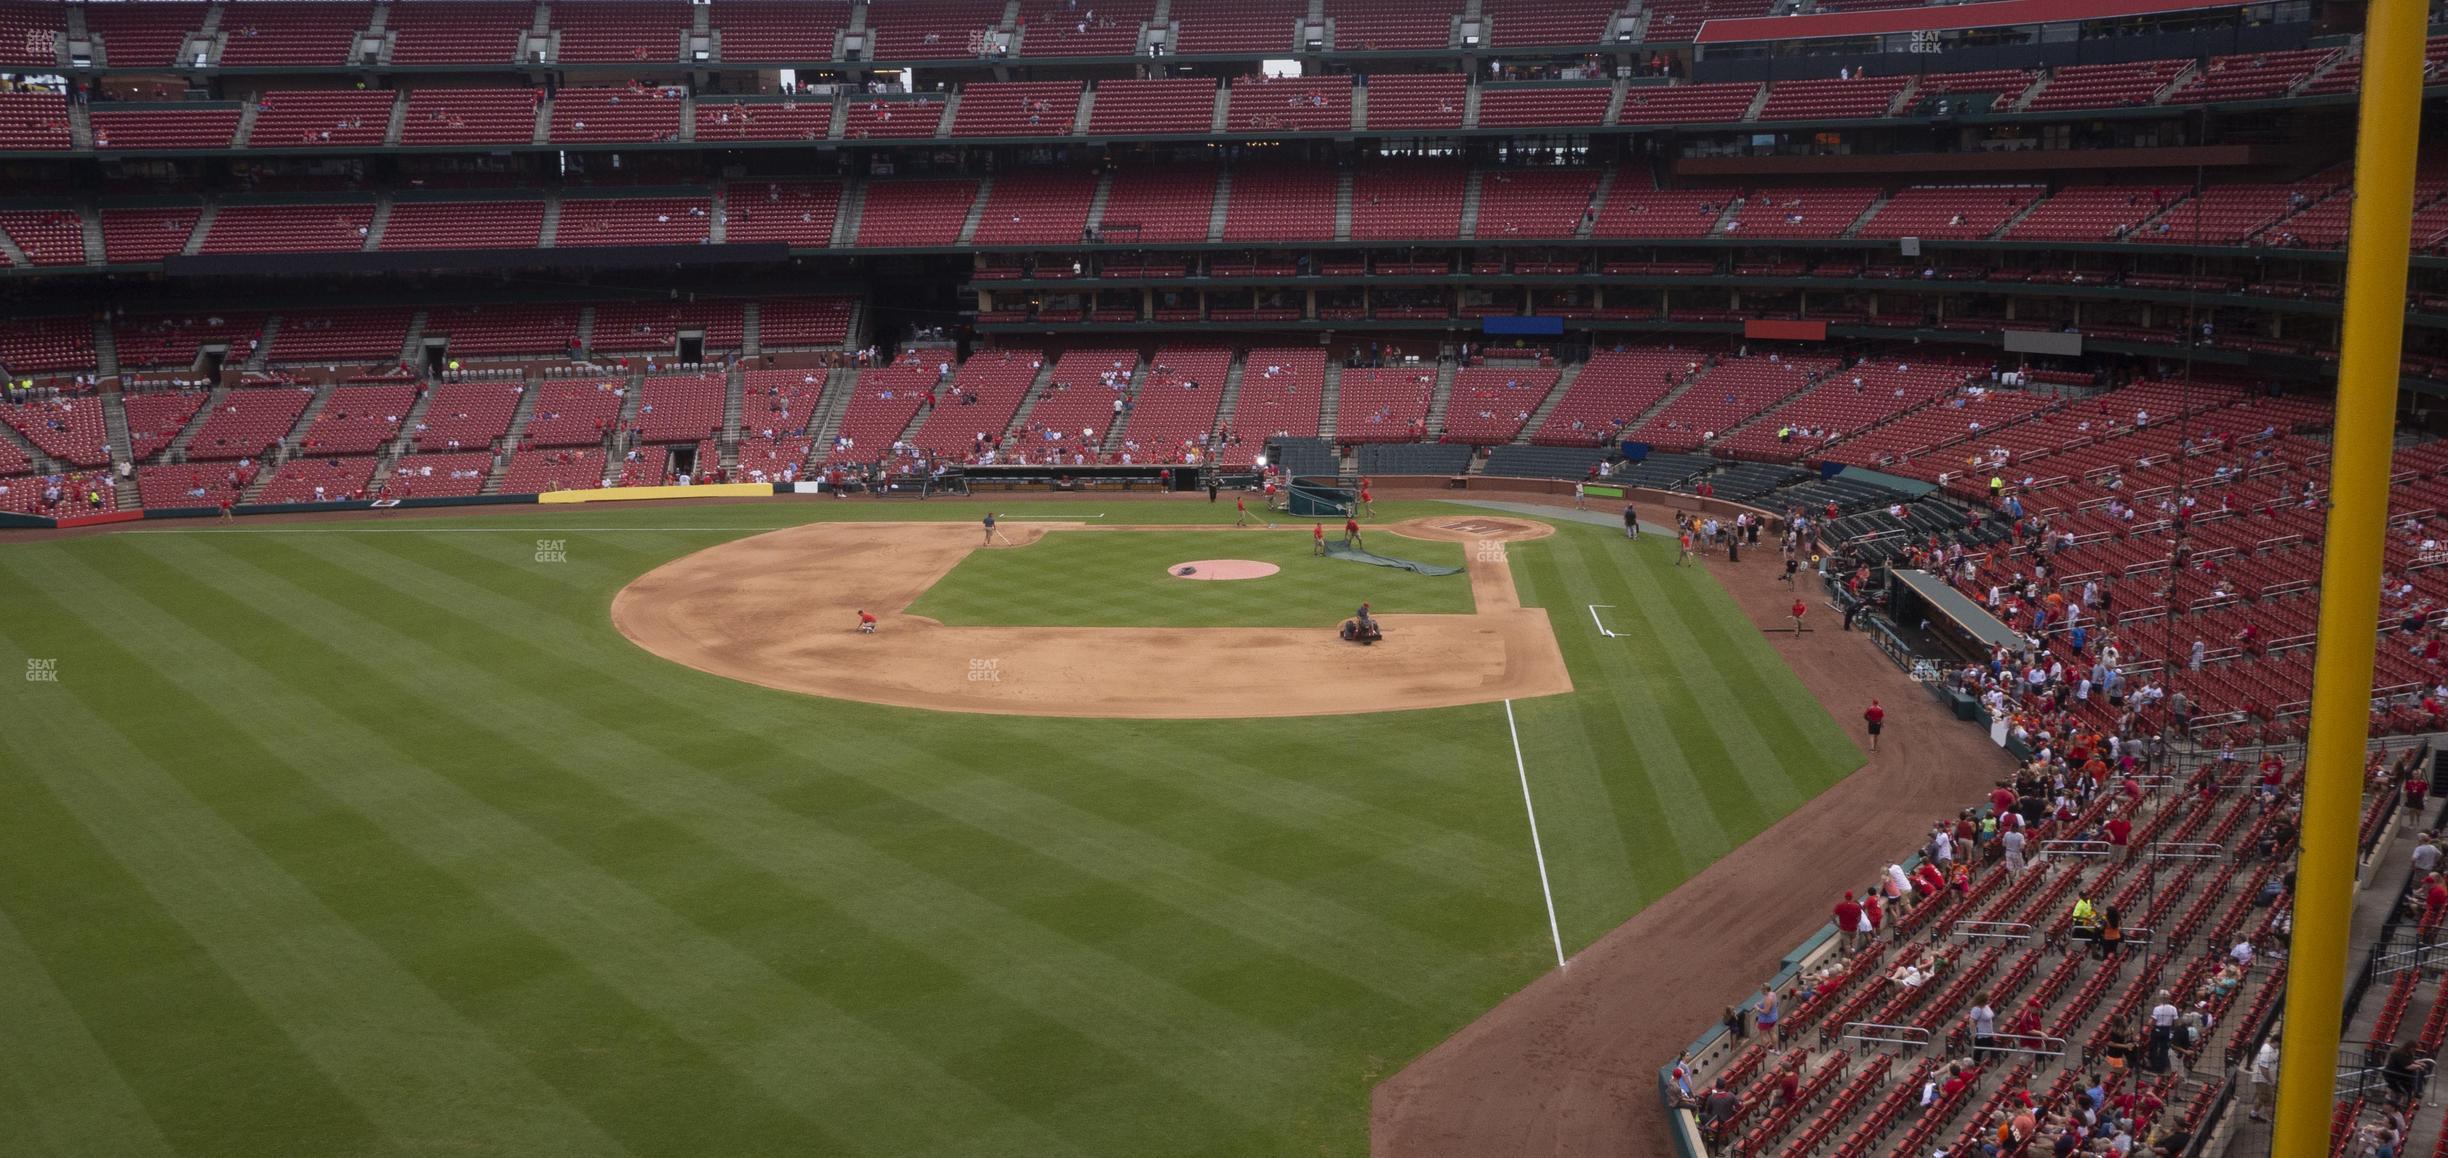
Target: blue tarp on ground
{"type": "Point", "coordinates": [1336, 550]}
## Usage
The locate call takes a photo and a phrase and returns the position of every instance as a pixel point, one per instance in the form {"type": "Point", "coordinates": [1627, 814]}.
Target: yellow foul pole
{"type": "Point", "coordinates": [2350, 570]}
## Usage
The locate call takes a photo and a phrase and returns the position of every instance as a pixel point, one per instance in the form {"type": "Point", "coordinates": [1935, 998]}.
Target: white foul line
{"type": "Point", "coordinates": [1535, 849]}
{"type": "Point", "coordinates": [1602, 628]}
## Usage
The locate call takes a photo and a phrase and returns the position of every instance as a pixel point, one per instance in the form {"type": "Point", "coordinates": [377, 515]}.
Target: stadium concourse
{"type": "Point", "coordinates": [2013, 324]}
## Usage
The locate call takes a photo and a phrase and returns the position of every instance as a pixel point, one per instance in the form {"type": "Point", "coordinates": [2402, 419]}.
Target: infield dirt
{"type": "Point", "coordinates": [781, 609]}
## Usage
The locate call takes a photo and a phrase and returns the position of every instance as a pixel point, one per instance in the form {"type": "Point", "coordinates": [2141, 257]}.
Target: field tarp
{"type": "Point", "coordinates": [1336, 550]}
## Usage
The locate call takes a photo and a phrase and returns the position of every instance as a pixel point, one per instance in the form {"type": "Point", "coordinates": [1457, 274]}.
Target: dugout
{"type": "Point", "coordinates": [1317, 496]}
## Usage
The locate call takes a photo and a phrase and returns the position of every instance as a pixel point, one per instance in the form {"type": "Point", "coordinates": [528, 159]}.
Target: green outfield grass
{"type": "Point", "coordinates": [376, 839]}
{"type": "Point", "coordinates": [1069, 579]}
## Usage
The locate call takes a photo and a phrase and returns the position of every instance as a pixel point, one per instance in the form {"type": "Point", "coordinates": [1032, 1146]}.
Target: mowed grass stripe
{"type": "Point", "coordinates": [60, 1092]}
{"type": "Point", "coordinates": [1124, 579]}
{"type": "Point", "coordinates": [743, 1025]}
{"type": "Point", "coordinates": [1156, 1033]}
{"type": "Point", "coordinates": [406, 1060]}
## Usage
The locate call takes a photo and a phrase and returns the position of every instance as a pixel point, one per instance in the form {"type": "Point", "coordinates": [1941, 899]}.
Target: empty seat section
{"type": "Point", "coordinates": [1393, 202]}
{"type": "Point", "coordinates": [288, 228]}
{"type": "Point", "coordinates": [931, 29]}
{"type": "Point", "coordinates": [802, 323]}
{"type": "Point", "coordinates": [799, 213]}
{"type": "Point", "coordinates": [1075, 414]}
{"type": "Point", "coordinates": [633, 221]}
{"type": "Point", "coordinates": [1170, 105]}
{"type": "Point", "coordinates": [1847, 402]}
{"type": "Point", "coordinates": [71, 428]}
{"type": "Point", "coordinates": [1280, 203]}
{"type": "Point", "coordinates": [1635, 211]}
{"type": "Point", "coordinates": [164, 128]}
{"type": "Point", "coordinates": [140, 235]}
{"type": "Point", "coordinates": [986, 391]}
{"type": "Point", "coordinates": [46, 345]}
{"type": "Point", "coordinates": [1384, 405]}
{"type": "Point", "coordinates": [31, 32]}
{"type": "Point", "coordinates": [1862, 96]}
{"type": "Point", "coordinates": [154, 420]}
{"type": "Point", "coordinates": [366, 335]}
{"type": "Point", "coordinates": [601, 31]}
{"type": "Point", "coordinates": [465, 416]}
{"type": "Point", "coordinates": [871, 118]}
{"type": "Point", "coordinates": [34, 120]}
{"type": "Point", "coordinates": [469, 116]}
{"type": "Point", "coordinates": [2090, 213]}
{"type": "Point", "coordinates": [504, 329]}
{"type": "Point", "coordinates": [178, 341]}
{"type": "Point", "coordinates": [656, 326]}
{"type": "Point", "coordinates": [1731, 392]}
{"type": "Point", "coordinates": [779, 30]}
{"type": "Point", "coordinates": [203, 484]}
{"type": "Point", "coordinates": [1237, 26]}
{"type": "Point", "coordinates": [1036, 209]}
{"type": "Point", "coordinates": [1281, 392]}
{"type": "Point", "coordinates": [1391, 25]}
{"type": "Point", "coordinates": [2251, 76]}
{"type": "Point", "coordinates": [1686, 104]}
{"type": "Point", "coordinates": [573, 412]}
{"type": "Point", "coordinates": [1175, 409]}
{"type": "Point", "coordinates": [680, 408]}
{"type": "Point", "coordinates": [48, 236]}
{"type": "Point", "coordinates": [1417, 101]}
{"type": "Point", "coordinates": [1059, 28]}
{"type": "Point", "coordinates": [1614, 389]}
{"type": "Point", "coordinates": [1534, 202]}
{"type": "Point", "coordinates": [434, 476]}
{"type": "Point", "coordinates": [245, 423]}
{"type": "Point", "coordinates": [260, 33]}
{"type": "Point", "coordinates": [1543, 105]}
{"type": "Point", "coordinates": [1490, 404]}
{"type": "Point", "coordinates": [142, 35]}
{"type": "Point", "coordinates": [1564, 23]}
{"type": "Point", "coordinates": [297, 119]}
{"type": "Point", "coordinates": [883, 401]}
{"type": "Point", "coordinates": [615, 114]}
{"type": "Point", "coordinates": [1958, 212]}
{"type": "Point", "coordinates": [789, 119]}
{"type": "Point", "coordinates": [1258, 104]}
{"type": "Point", "coordinates": [924, 212]}
{"type": "Point", "coordinates": [1173, 203]}
{"type": "Point", "coordinates": [463, 225]}
{"type": "Point", "coordinates": [456, 31]}
{"type": "Point", "coordinates": [2229, 214]}
{"type": "Point", "coordinates": [356, 419]}
{"type": "Point", "coordinates": [1031, 109]}
{"type": "Point", "coordinates": [1671, 20]}
{"type": "Point", "coordinates": [542, 471]}
{"type": "Point", "coordinates": [2103, 86]}
{"type": "Point", "coordinates": [1813, 211]}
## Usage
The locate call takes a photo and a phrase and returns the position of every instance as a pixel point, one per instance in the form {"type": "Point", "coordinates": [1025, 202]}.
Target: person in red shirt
{"type": "Point", "coordinates": [1368, 505]}
{"type": "Point", "coordinates": [1240, 511]}
{"type": "Point", "coordinates": [1317, 538]}
{"type": "Point", "coordinates": [1874, 912]}
{"type": "Point", "coordinates": [1929, 880]}
{"type": "Point", "coordinates": [1848, 921]}
{"type": "Point", "coordinates": [1873, 717]}
{"type": "Point", "coordinates": [867, 622]}
{"type": "Point", "coordinates": [1351, 532]}
{"type": "Point", "coordinates": [1684, 540]}
{"type": "Point", "coordinates": [1800, 609]}
{"type": "Point", "coordinates": [2120, 834]}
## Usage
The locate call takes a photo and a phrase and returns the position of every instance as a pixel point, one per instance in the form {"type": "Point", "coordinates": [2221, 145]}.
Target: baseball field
{"type": "Point", "coordinates": [508, 834]}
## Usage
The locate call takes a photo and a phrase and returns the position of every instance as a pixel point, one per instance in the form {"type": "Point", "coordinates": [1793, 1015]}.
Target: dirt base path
{"type": "Point", "coordinates": [779, 610]}
{"type": "Point", "coordinates": [1568, 1066]}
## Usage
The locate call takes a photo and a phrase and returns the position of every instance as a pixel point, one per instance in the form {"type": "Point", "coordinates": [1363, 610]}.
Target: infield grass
{"type": "Point", "coordinates": [1090, 579]}
{"type": "Point", "coordinates": [376, 839]}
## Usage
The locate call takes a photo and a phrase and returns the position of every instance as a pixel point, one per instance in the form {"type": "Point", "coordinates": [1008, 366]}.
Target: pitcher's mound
{"type": "Point", "coordinates": [1222, 569]}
